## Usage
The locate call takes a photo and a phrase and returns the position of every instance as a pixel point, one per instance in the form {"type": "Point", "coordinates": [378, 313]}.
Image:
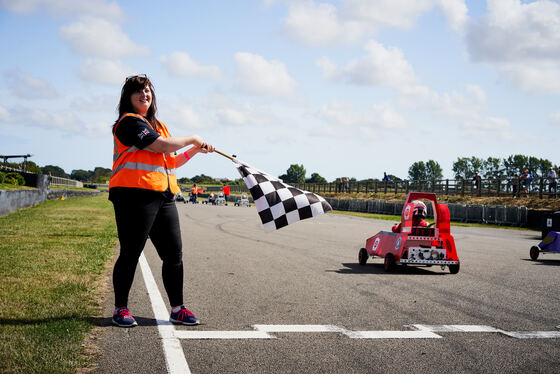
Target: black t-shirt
{"type": "Point", "coordinates": [133, 131]}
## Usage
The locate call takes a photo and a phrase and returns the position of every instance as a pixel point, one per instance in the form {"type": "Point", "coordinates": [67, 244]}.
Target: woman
{"type": "Point", "coordinates": [142, 189]}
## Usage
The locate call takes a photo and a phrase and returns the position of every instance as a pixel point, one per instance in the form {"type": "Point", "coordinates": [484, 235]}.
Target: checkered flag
{"type": "Point", "coordinates": [279, 204]}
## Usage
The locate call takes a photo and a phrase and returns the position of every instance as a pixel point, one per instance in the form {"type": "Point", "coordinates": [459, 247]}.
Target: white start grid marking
{"type": "Point", "coordinates": [175, 357]}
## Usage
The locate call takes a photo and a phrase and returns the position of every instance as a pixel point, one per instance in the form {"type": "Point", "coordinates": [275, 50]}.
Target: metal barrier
{"type": "Point", "coordinates": [58, 181]}
{"type": "Point", "coordinates": [492, 214]}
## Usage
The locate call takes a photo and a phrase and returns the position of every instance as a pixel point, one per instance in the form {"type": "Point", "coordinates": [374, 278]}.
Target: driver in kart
{"type": "Point", "coordinates": [418, 215]}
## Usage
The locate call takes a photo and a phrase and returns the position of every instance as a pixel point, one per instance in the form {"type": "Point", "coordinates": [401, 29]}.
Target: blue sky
{"type": "Point", "coordinates": [346, 88]}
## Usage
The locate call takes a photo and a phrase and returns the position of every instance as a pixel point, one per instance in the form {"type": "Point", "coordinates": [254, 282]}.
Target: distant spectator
{"type": "Point", "coordinates": [526, 180]}
{"type": "Point", "coordinates": [477, 181]}
{"type": "Point", "coordinates": [386, 177]}
{"type": "Point", "coordinates": [347, 184]}
{"type": "Point", "coordinates": [225, 190]}
{"type": "Point", "coordinates": [194, 193]}
{"type": "Point", "coordinates": [552, 183]}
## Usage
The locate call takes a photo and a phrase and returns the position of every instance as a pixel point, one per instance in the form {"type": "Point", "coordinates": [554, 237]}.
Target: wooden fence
{"type": "Point", "coordinates": [540, 187]}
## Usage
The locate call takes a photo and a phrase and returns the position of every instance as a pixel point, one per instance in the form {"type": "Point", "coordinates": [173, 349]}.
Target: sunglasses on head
{"type": "Point", "coordinates": [136, 76]}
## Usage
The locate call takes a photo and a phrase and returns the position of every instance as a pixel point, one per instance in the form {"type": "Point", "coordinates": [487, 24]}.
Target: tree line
{"type": "Point", "coordinates": [489, 168]}
{"type": "Point", "coordinates": [463, 168]}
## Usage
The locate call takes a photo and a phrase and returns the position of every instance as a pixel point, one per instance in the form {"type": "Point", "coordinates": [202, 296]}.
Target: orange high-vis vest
{"type": "Point", "coordinates": [143, 168]}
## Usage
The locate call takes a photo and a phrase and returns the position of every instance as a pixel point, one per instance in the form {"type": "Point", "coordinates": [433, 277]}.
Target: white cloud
{"type": "Point", "coordinates": [388, 67]}
{"type": "Point", "coordinates": [64, 121]}
{"type": "Point", "coordinates": [98, 8]}
{"type": "Point", "coordinates": [96, 103]}
{"type": "Point", "coordinates": [521, 40]}
{"type": "Point", "coordinates": [180, 64]}
{"type": "Point", "coordinates": [553, 118]}
{"type": "Point", "coordinates": [5, 115]}
{"type": "Point", "coordinates": [103, 71]}
{"type": "Point", "coordinates": [231, 116]}
{"type": "Point", "coordinates": [487, 128]}
{"type": "Point", "coordinates": [258, 76]}
{"type": "Point", "coordinates": [380, 66]}
{"type": "Point", "coordinates": [348, 120]}
{"type": "Point", "coordinates": [539, 77]}
{"type": "Point", "coordinates": [320, 23]}
{"type": "Point", "coordinates": [186, 117]}
{"type": "Point", "coordinates": [451, 104]}
{"type": "Point", "coordinates": [403, 14]}
{"type": "Point", "coordinates": [26, 86]}
{"type": "Point", "coordinates": [99, 38]}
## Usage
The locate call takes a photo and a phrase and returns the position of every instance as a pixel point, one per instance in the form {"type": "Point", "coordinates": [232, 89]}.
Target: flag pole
{"type": "Point", "coordinates": [232, 158]}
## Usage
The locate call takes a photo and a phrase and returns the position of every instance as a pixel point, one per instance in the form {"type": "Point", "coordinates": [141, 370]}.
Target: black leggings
{"type": "Point", "coordinates": [137, 219]}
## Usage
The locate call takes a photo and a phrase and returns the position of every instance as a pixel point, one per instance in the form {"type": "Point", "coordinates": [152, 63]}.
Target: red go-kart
{"type": "Point", "coordinates": [415, 245]}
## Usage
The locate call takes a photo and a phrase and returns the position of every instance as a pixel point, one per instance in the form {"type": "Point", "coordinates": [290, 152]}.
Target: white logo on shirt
{"type": "Point", "coordinates": [143, 133]}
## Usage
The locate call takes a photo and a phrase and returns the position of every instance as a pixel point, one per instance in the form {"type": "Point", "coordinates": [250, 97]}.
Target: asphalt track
{"type": "Point", "coordinates": [296, 301]}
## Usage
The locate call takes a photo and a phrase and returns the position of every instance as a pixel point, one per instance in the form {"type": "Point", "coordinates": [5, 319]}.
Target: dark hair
{"type": "Point", "coordinates": [133, 84]}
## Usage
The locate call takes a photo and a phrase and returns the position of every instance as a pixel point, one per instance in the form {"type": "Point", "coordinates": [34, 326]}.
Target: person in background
{"type": "Point", "coordinates": [142, 188]}
{"type": "Point", "coordinates": [526, 180]}
{"type": "Point", "coordinates": [477, 181]}
{"type": "Point", "coordinates": [552, 184]}
{"type": "Point", "coordinates": [194, 193]}
{"type": "Point", "coordinates": [386, 177]}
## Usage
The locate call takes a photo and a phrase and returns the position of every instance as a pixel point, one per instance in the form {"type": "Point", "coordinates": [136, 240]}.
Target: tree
{"type": "Point", "coordinates": [184, 180]}
{"type": "Point", "coordinates": [538, 166]}
{"type": "Point", "coordinates": [417, 171]}
{"type": "Point", "coordinates": [316, 178]}
{"type": "Point", "coordinates": [515, 164]}
{"type": "Point", "coordinates": [81, 175]}
{"type": "Point", "coordinates": [32, 167]}
{"type": "Point", "coordinates": [465, 167]}
{"type": "Point", "coordinates": [491, 167]}
{"type": "Point", "coordinates": [55, 171]}
{"type": "Point", "coordinates": [294, 174]}
{"type": "Point", "coordinates": [101, 175]}
{"type": "Point", "coordinates": [476, 164]}
{"type": "Point", "coordinates": [203, 179]}
{"type": "Point", "coordinates": [433, 170]}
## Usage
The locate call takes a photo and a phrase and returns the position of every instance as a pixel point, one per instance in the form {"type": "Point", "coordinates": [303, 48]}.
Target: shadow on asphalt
{"type": "Point", "coordinates": [355, 268]}
{"type": "Point", "coordinates": [142, 321]}
{"type": "Point", "coordinates": [97, 321]}
{"type": "Point", "coordinates": [544, 262]}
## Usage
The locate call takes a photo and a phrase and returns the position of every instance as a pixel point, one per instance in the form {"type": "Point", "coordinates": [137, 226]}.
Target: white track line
{"type": "Point", "coordinates": [183, 334]}
{"type": "Point", "coordinates": [174, 355]}
{"type": "Point", "coordinates": [533, 334]}
{"type": "Point", "coordinates": [299, 328]}
{"type": "Point", "coordinates": [387, 334]}
{"type": "Point", "coordinates": [456, 328]}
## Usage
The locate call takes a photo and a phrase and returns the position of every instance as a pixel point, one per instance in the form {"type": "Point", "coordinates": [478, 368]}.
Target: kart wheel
{"type": "Point", "coordinates": [534, 252]}
{"type": "Point", "coordinates": [389, 263]}
{"type": "Point", "coordinates": [454, 269]}
{"type": "Point", "coordinates": [362, 256]}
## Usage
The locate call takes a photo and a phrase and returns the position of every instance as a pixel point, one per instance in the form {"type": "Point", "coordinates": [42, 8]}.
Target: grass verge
{"type": "Point", "coordinates": [395, 219]}
{"type": "Point", "coordinates": [51, 260]}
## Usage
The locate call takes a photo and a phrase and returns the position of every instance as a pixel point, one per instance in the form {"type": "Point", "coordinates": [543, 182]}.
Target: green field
{"type": "Point", "coordinates": [52, 260]}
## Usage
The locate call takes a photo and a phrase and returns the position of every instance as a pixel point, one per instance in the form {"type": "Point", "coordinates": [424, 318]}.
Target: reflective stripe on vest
{"type": "Point", "coordinates": [143, 168]}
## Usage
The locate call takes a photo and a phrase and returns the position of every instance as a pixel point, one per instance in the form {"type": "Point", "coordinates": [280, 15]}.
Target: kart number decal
{"type": "Point", "coordinates": [398, 244]}
{"type": "Point", "coordinates": [375, 244]}
{"type": "Point", "coordinates": [407, 212]}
